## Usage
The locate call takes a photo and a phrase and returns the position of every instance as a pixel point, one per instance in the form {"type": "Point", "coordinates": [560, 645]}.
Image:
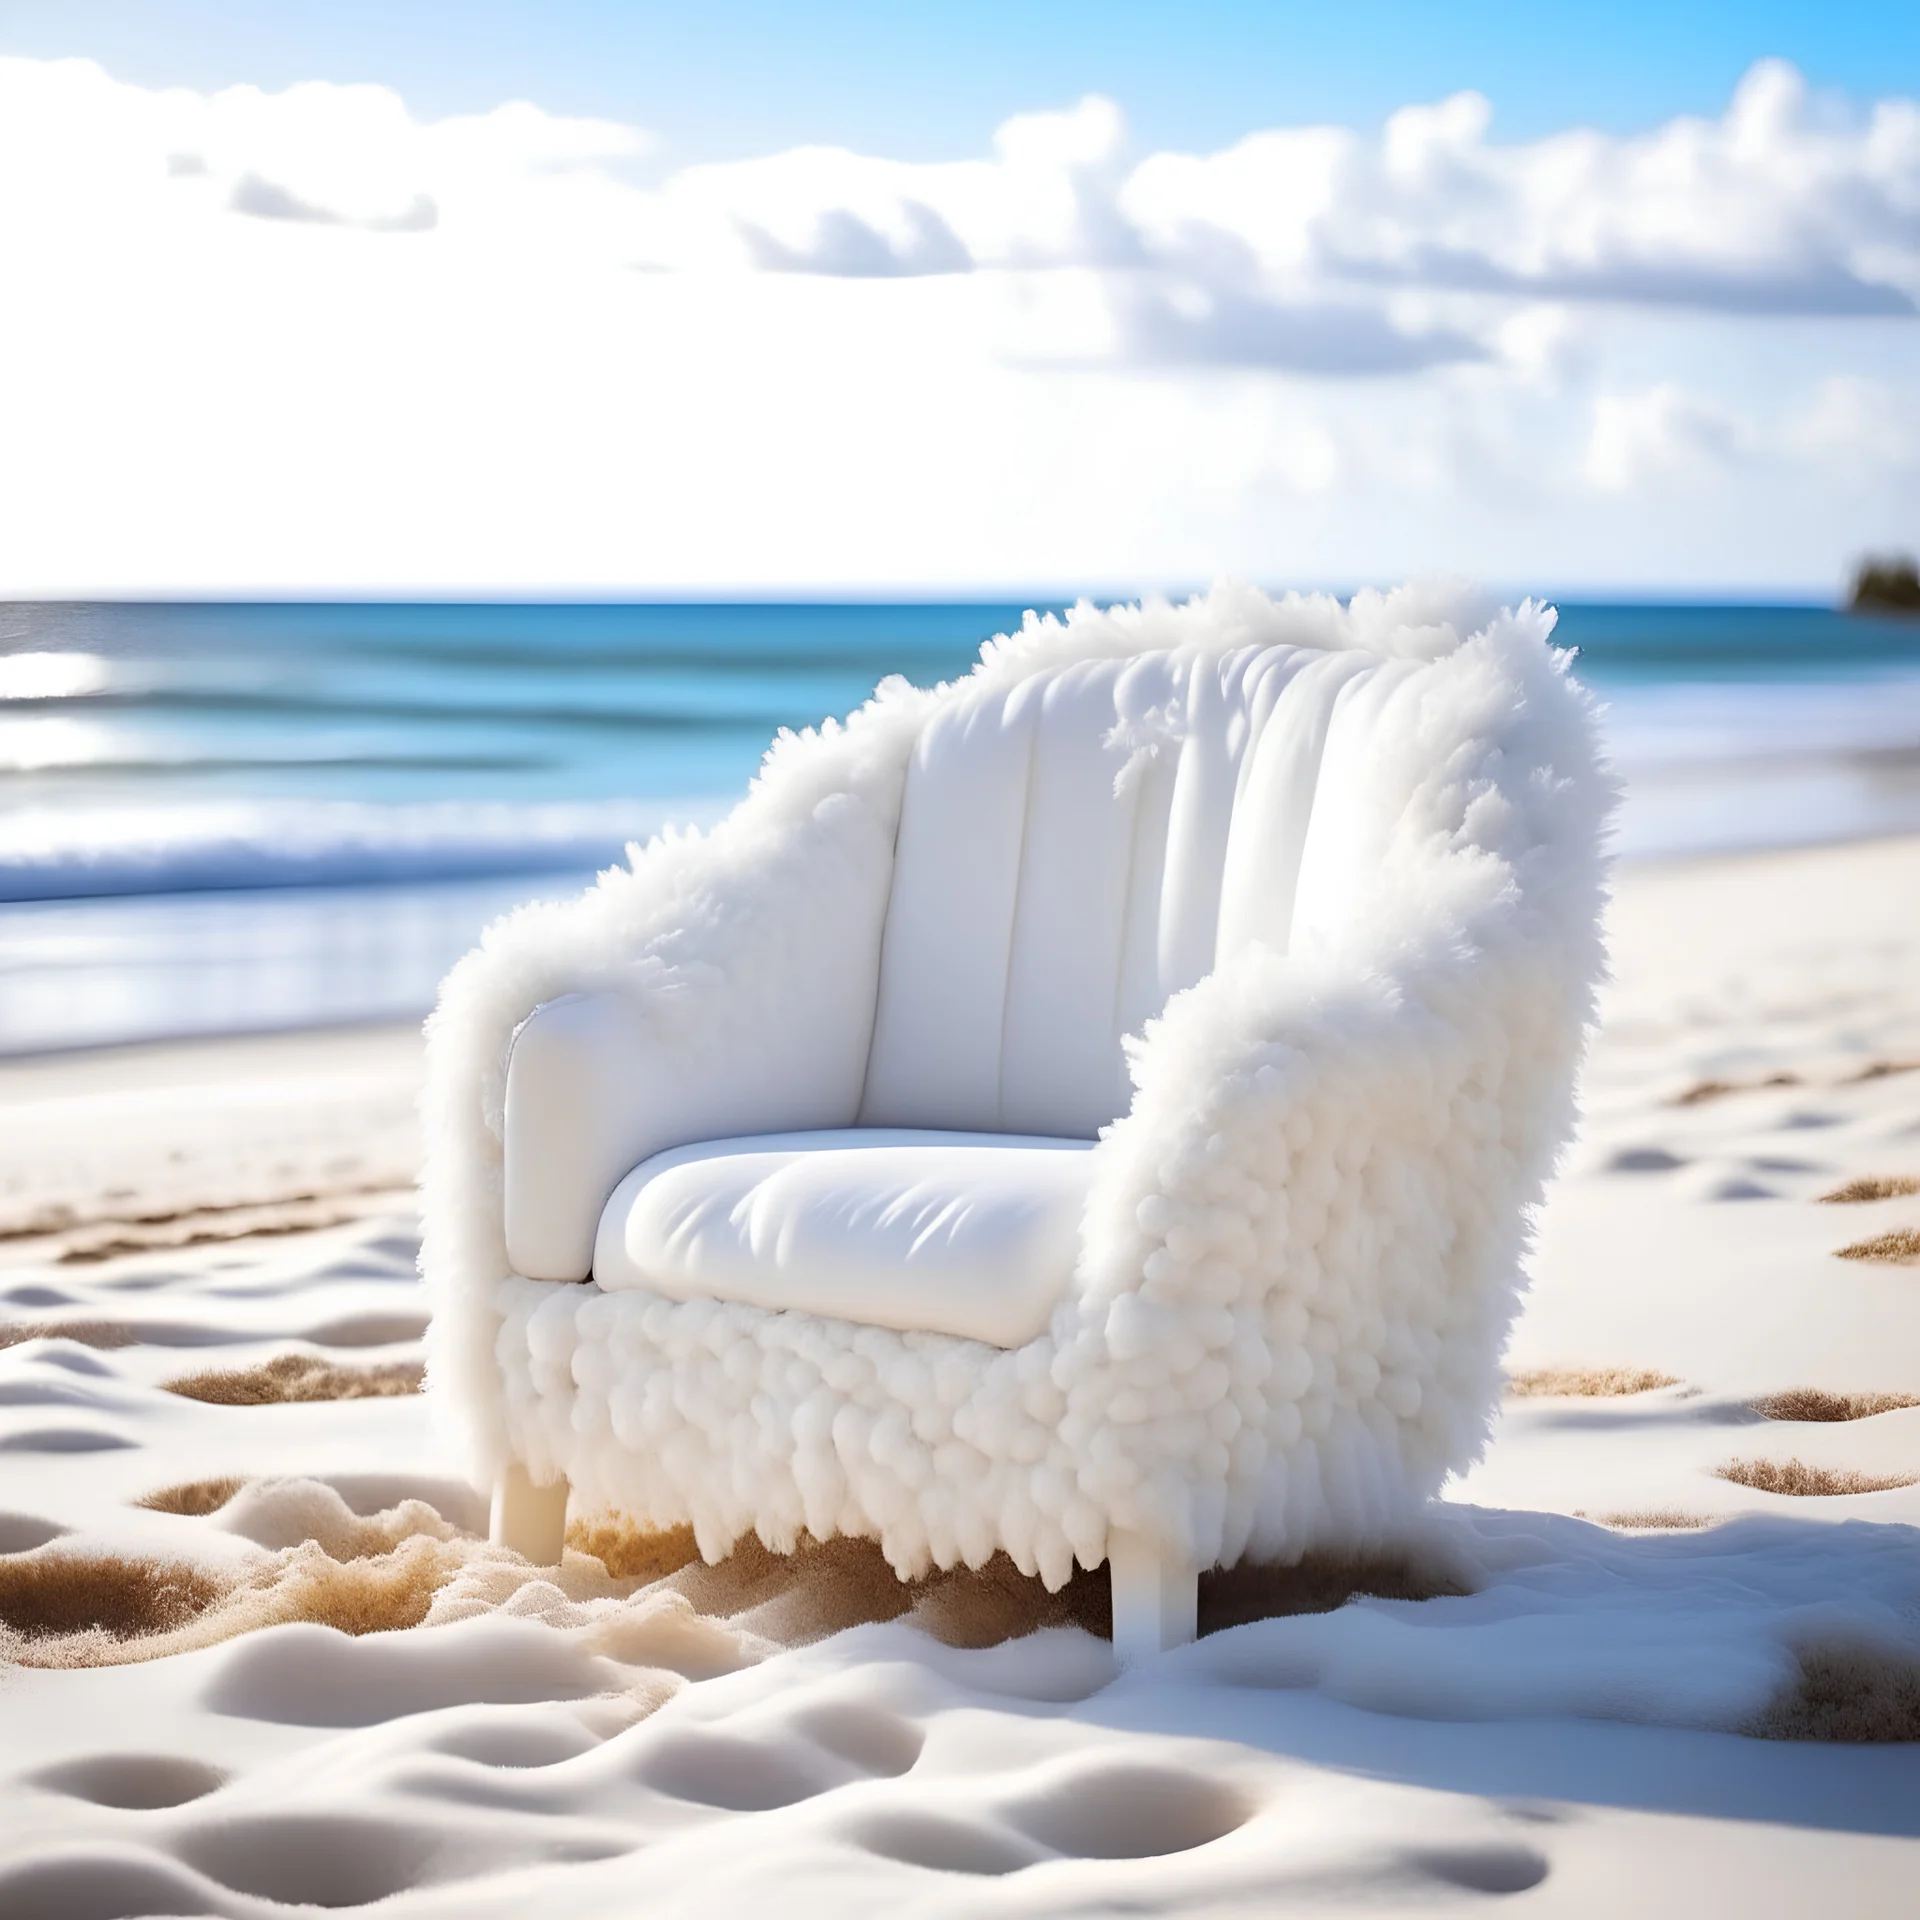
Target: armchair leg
{"type": "Point", "coordinates": [530, 1520]}
{"type": "Point", "coordinates": [1156, 1596]}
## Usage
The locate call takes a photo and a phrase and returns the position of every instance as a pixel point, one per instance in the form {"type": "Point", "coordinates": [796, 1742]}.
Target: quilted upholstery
{"type": "Point", "coordinates": [1072, 852]}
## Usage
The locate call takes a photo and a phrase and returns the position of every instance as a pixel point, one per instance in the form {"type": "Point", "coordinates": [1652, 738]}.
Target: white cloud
{"type": "Point", "coordinates": [1182, 323]}
{"type": "Point", "coordinates": [1860, 431]}
{"type": "Point", "coordinates": [1665, 430]}
{"type": "Point", "coordinates": [1863, 428]}
{"type": "Point", "coordinates": [1045, 199]}
{"type": "Point", "coordinates": [1282, 250]}
{"type": "Point", "coordinates": [79, 147]}
{"type": "Point", "coordinates": [915, 240]}
{"type": "Point", "coordinates": [309, 339]}
{"type": "Point", "coordinates": [1782, 206]}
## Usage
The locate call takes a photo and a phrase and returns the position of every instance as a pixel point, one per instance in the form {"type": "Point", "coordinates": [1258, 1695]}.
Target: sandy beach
{"type": "Point", "coordinates": [1658, 1653]}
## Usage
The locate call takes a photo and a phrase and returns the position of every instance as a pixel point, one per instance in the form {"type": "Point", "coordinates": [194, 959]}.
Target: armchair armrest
{"type": "Point", "coordinates": [1302, 1251]}
{"type": "Point", "coordinates": [599, 1081]}
{"type": "Point", "coordinates": [762, 1027]}
{"type": "Point", "coordinates": [576, 1086]}
{"type": "Point", "coordinates": [723, 983]}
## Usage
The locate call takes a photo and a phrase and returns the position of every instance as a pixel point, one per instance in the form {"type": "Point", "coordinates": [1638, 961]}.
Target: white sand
{"type": "Point", "coordinates": [1560, 1739]}
{"type": "Point", "coordinates": [125, 1131]}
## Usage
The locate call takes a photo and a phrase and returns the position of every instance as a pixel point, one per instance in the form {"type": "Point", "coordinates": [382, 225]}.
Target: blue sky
{"type": "Point", "coordinates": [592, 298]}
{"type": "Point", "coordinates": [923, 81]}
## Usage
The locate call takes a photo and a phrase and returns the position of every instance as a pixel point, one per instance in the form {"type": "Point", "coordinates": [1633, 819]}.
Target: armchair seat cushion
{"type": "Point", "coordinates": [973, 1234]}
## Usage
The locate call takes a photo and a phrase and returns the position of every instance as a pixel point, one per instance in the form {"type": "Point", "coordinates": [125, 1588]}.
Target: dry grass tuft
{"type": "Point", "coordinates": [1593, 1383]}
{"type": "Point", "coordinates": [207, 1226]}
{"type": "Point", "coordinates": [194, 1498]}
{"type": "Point", "coordinates": [1846, 1693]}
{"type": "Point", "coordinates": [85, 1333]}
{"type": "Point", "coordinates": [1704, 1090]}
{"type": "Point", "coordinates": [103, 1610]}
{"type": "Point", "coordinates": [1796, 1477]}
{"type": "Point", "coordinates": [116, 1596]}
{"type": "Point", "coordinates": [1888, 1186]}
{"type": "Point", "coordinates": [632, 1552]}
{"type": "Point", "coordinates": [823, 1587]}
{"type": "Point", "coordinates": [847, 1578]}
{"type": "Point", "coordinates": [298, 1376]}
{"type": "Point", "coordinates": [1883, 1069]}
{"type": "Point", "coordinates": [120, 1217]}
{"type": "Point", "coordinates": [1901, 1247]}
{"type": "Point", "coordinates": [1814, 1403]}
{"type": "Point", "coordinates": [818, 1589]}
{"type": "Point", "coordinates": [968, 1609]}
{"type": "Point", "coordinates": [1655, 1520]}
{"type": "Point", "coordinates": [1321, 1582]}
{"type": "Point", "coordinates": [74, 1610]}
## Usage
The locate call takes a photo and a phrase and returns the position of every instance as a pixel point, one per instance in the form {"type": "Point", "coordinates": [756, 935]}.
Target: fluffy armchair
{"type": "Point", "coordinates": [1300, 1249]}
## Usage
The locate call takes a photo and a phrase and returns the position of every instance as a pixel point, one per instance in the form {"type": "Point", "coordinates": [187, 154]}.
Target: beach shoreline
{"type": "Point", "coordinates": [1676, 923]}
{"type": "Point", "coordinates": [1765, 885]}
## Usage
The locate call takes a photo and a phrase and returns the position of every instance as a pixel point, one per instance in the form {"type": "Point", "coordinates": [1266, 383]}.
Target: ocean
{"type": "Point", "coordinates": [238, 817]}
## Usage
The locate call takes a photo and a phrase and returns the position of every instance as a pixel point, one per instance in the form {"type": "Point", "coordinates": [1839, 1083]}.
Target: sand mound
{"type": "Point", "coordinates": [105, 1610]}
{"type": "Point", "coordinates": [297, 1376]}
{"type": "Point", "coordinates": [1813, 1403]}
{"type": "Point", "coordinates": [324, 1564]}
{"type": "Point", "coordinates": [827, 1586]}
{"type": "Point", "coordinates": [406, 1565]}
{"type": "Point", "coordinates": [1796, 1477]}
{"type": "Point", "coordinates": [823, 1587]}
{"type": "Point", "coordinates": [277, 1514]}
{"type": "Point", "coordinates": [1586, 1382]}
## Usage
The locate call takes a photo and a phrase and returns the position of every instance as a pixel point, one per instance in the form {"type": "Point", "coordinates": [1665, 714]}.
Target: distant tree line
{"type": "Point", "coordinates": [1887, 584]}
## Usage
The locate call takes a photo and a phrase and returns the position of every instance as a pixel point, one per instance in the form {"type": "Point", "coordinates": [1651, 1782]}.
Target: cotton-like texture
{"type": "Point", "coordinates": [1301, 1249]}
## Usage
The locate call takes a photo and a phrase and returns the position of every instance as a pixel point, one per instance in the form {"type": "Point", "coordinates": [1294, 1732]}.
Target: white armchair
{"type": "Point", "coordinates": [1090, 1110]}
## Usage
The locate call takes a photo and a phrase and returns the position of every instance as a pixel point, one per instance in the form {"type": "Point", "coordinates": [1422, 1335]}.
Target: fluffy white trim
{"type": "Point", "coordinates": [1302, 1252]}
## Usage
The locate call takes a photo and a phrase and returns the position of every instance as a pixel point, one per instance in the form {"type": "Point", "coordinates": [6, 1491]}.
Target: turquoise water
{"type": "Point", "coordinates": [177, 747]}
{"type": "Point", "coordinates": [231, 816]}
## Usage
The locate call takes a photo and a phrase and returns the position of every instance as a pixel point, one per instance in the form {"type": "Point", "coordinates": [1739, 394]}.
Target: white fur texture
{"type": "Point", "coordinates": [1302, 1252]}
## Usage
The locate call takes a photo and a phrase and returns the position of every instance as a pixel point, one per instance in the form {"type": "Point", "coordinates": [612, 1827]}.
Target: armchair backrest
{"type": "Point", "coordinates": [1079, 844]}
